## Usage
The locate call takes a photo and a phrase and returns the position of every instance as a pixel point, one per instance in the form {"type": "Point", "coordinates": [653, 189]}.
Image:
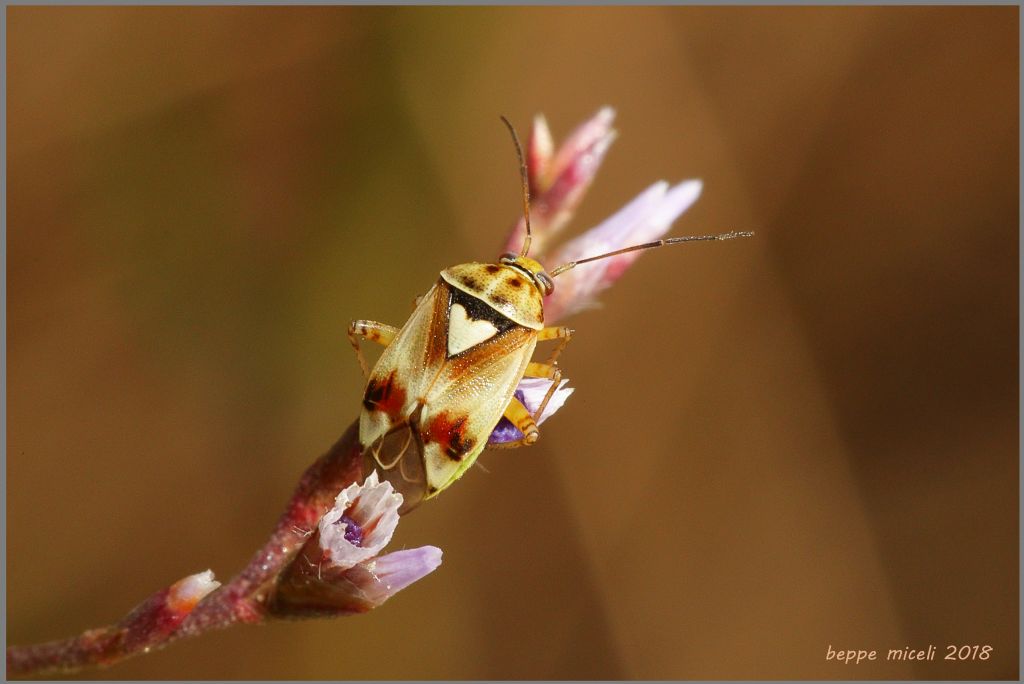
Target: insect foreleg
{"type": "Point", "coordinates": [560, 333]}
{"type": "Point", "coordinates": [369, 330]}
{"type": "Point", "coordinates": [519, 416]}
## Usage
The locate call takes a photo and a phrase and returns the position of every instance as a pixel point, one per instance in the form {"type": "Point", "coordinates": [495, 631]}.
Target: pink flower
{"type": "Point", "coordinates": [361, 522]}
{"type": "Point", "coordinates": [560, 179]}
{"type": "Point", "coordinates": [338, 571]}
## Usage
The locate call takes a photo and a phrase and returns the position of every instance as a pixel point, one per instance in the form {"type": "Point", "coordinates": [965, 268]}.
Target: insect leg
{"type": "Point", "coordinates": [519, 416]}
{"type": "Point", "coordinates": [369, 330]}
{"type": "Point", "coordinates": [556, 333]}
{"type": "Point", "coordinates": [405, 446]}
{"type": "Point", "coordinates": [535, 369]}
{"type": "Point", "coordinates": [543, 370]}
{"type": "Point", "coordinates": [515, 409]}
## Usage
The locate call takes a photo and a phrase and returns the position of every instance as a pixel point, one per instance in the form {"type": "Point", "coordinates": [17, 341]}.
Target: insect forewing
{"type": "Point", "coordinates": [466, 401]}
{"type": "Point", "coordinates": [404, 371]}
{"type": "Point", "coordinates": [442, 385]}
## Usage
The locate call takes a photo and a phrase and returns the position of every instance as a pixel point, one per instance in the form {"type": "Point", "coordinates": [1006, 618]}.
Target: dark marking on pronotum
{"type": "Point", "coordinates": [478, 310]}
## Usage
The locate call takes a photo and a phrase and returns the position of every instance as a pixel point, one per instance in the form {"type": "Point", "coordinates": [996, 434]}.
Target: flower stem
{"type": "Point", "coordinates": [164, 616]}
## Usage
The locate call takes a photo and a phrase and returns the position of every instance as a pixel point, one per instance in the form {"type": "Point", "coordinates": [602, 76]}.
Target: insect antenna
{"type": "Point", "coordinates": [651, 245]}
{"type": "Point", "coordinates": [526, 187]}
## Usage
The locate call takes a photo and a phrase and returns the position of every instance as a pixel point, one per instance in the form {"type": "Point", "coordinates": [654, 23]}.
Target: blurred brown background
{"type": "Point", "coordinates": [814, 444]}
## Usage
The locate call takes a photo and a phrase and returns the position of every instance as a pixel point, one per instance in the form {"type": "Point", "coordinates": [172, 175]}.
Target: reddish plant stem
{"type": "Point", "coordinates": [153, 624]}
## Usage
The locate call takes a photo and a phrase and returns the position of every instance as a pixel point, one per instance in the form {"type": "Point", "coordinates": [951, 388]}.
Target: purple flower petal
{"type": "Point", "coordinates": [505, 431]}
{"type": "Point", "coordinates": [372, 582]}
{"type": "Point", "coordinates": [392, 572]}
{"type": "Point", "coordinates": [531, 391]}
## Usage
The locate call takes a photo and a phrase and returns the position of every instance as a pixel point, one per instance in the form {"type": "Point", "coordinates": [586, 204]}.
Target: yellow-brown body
{"type": "Point", "coordinates": [450, 373]}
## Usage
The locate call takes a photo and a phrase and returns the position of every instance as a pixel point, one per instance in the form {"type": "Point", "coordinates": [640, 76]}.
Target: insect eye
{"type": "Point", "coordinates": [545, 282]}
{"type": "Point", "coordinates": [507, 257]}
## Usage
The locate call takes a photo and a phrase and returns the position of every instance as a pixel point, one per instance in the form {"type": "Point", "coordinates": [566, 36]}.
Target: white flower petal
{"type": "Point", "coordinates": [677, 200]}
{"type": "Point", "coordinates": [373, 506]}
{"type": "Point", "coordinates": [535, 389]}
{"type": "Point", "coordinates": [581, 139]}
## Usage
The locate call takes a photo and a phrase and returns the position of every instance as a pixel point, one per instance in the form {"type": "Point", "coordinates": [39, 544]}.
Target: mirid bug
{"type": "Point", "coordinates": [448, 375]}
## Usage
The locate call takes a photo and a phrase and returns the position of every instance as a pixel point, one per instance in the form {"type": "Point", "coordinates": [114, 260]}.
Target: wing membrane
{"type": "Point", "coordinates": [398, 458]}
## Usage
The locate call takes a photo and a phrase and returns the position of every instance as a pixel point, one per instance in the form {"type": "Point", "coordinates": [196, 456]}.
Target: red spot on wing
{"type": "Point", "coordinates": [450, 434]}
{"type": "Point", "coordinates": [387, 396]}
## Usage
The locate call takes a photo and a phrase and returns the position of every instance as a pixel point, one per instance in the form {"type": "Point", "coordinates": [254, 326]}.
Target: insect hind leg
{"type": "Point", "coordinates": [517, 414]}
{"type": "Point", "coordinates": [401, 452]}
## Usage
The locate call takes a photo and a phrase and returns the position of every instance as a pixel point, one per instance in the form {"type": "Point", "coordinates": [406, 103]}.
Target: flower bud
{"type": "Point", "coordinates": [559, 180]}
